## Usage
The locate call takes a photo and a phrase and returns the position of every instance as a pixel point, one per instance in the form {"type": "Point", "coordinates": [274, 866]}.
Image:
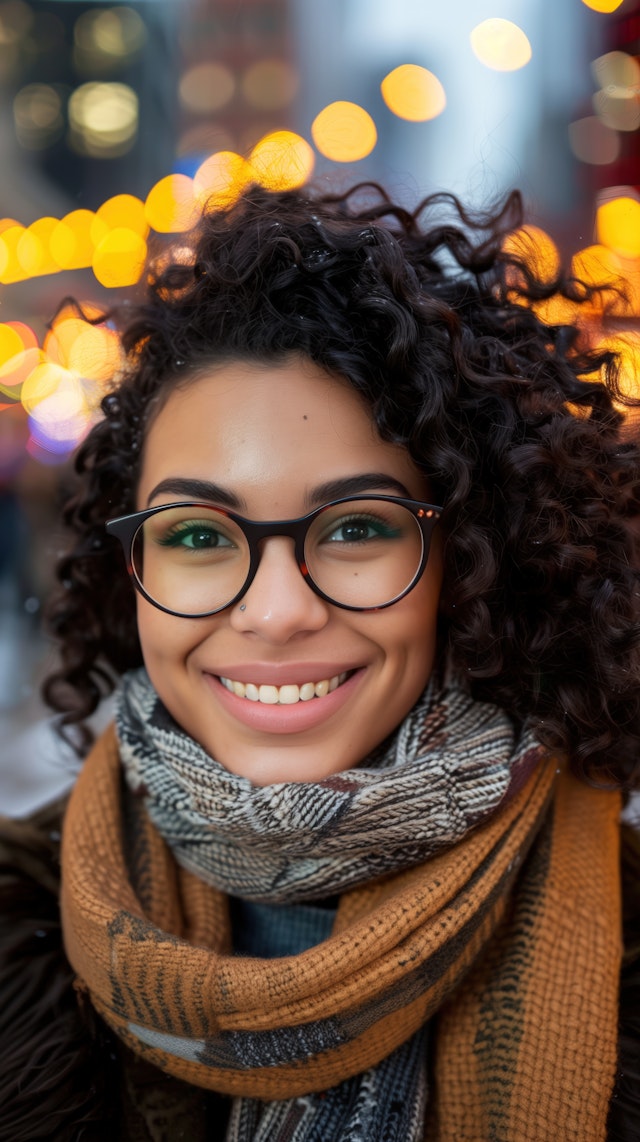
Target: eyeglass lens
{"type": "Point", "coordinates": [196, 560]}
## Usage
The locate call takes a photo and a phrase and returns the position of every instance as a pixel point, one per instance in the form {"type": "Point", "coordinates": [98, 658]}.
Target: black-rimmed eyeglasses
{"type": "Point", "coordinates": [362, 553]}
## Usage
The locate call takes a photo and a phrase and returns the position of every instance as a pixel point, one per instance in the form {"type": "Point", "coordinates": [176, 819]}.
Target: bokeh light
{"type": "Point", "coordinates": [413, 93]}
{"type": "Point", "coordinates": [500, 45]}
{"type": "Point", "coordinates": [618, 107]}
{"type": "Point", "coordinates": [270, 84]}
{"type": "Point", "coordinates": [119, 259]}
{"type": "Point", "coordinates": [221, 178]}
{"type": "Point", "coordinates": [627, 346]}
{"type": "Point", "coordinates": [122, 210]}
{"type": "Point", "coordinates": [618, 225]}
{"type": "Point", "coordinates": [11, 342]}
{"type": "Point", "coordinates": [74, 237]}
{"type": "Point", "coordinates": [282, 160]}
{"type": "Point", "coordinates": [206, 88]}
{"type": "Point", "coordinates": [171, 204]}
{"type": "Point", "coordinates": [344, 132]}
{"type": "Point", "coordinates": [593, 142]}
{"type": "Point", "coordinates": [536, 250]}
{"type": "Point", "coordinates": [106, 36]}
{"type": "Point", "coordinates": [10, 267]}
{"type": "Point", "coordinates": [94, 352]}
{"type": "Point", "coordinates": [34, 248]}
{"type": "Point", "coordinates": [15, 371]}
{"type": "Point", "coordinates": [38, 116]}
{"type": "Point", "coordinates": [602, 5]}
{"type": "Point", "coordinates": [103, 118]}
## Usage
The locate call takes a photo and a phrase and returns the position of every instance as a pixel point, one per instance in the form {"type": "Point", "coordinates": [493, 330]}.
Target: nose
{"type": "Point", "coordinates": [279, 605]}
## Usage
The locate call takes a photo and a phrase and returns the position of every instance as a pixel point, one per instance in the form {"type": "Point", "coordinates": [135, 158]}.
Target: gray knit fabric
{"type": "Point", "coordinates": [450, 765]}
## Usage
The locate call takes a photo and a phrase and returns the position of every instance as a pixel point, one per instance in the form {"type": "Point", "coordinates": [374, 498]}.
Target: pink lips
{"type": "Point", "coordinates": [279, 719]}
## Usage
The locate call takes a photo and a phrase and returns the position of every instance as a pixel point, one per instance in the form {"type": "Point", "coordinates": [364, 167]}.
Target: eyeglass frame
{"type": "Point", "coordinates": [125, 528]}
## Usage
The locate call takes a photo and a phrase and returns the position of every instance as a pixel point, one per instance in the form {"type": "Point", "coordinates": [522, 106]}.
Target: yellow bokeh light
{"type": "Point", "coordinates": [602, 5]}
{"type": "Point", "coordinates": [171, 204]}
{"type": "Point", "coordinates": [58, 342]}
{"type": "Point", "coordinates": [42, 382]}
{"type": "Point", "coordinates": [14, 372]}
{"type": "Point", "coordinates": [73, 239]}
{"type": "Point", "coordinates": [615, 281]}
{"type": "Point", "coordinates": [536, 251]}
{"type": "Point", "coordinates": [413, 93]}
{"type": "Point", "coordinates": [500, 45]}
{"type": "Point", "coordinates": [10, 268]}
{"type": "Point", "coordinates": [95, 353]}
{"type": "Point", "coordinates": [221, 178]}
{"type": "Point", "coordinates": [11, 343]}
{"type": "Point", "coordinates": [119, 259]}
{"type": "Point", "coordinates": [344, 132]}
{"type": "Point", "coordinates": [282, 161]}
{"type": "Point", "coordinates": [596, 266]}
{"type": "Point", "coordinates": [122, 210]}
{"type": "Point", "coordinates": [618, 225]}
{"type": "Point", "coordinates": [34, 248]}
{"type": "Point", "coordinates": [25, 333]}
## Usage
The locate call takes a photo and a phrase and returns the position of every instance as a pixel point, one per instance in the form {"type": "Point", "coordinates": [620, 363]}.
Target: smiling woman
{"type": "Point", "coordinates": [354, 543]}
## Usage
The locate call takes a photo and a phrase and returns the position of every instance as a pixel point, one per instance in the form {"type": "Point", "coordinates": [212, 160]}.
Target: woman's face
{"type": "Point", "coordinates": [269, 436]}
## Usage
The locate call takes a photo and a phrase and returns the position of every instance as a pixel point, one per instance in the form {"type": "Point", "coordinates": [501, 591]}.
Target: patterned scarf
{"type": "Point", "coordinates": [507, 858]}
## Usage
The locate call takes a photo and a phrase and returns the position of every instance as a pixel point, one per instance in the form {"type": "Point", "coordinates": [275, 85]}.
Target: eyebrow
{"type": "Point", "coordinates": [330, 490]}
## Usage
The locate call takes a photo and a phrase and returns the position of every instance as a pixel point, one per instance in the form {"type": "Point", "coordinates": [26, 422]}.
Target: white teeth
{"type": "Point", "coordinates": [287, 695]}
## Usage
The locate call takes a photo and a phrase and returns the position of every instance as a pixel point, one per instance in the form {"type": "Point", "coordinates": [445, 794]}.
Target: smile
{"type": "Point", "coordinates": [288, 695]}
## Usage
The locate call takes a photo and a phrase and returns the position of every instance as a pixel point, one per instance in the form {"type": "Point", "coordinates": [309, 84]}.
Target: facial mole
{"type": "Point", "coordinates": [304, 416]}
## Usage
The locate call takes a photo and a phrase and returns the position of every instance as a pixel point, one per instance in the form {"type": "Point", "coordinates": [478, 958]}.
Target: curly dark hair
{"type": "Point", "coordinates": [435, 326]}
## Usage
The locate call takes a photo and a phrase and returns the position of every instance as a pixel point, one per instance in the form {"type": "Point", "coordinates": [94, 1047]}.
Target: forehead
{"type": "Point", "coordinates": [269, 432]}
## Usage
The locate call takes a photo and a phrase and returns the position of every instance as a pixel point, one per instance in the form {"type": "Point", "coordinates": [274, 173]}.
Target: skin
{"type": "Point", "coordinates": [270, 435]}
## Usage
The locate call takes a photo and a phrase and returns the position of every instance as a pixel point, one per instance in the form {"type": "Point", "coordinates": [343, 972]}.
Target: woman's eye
{"type": "Point", "coordinates": [361, 530]}
{"type": "Point", "coordinates": [197, 536]}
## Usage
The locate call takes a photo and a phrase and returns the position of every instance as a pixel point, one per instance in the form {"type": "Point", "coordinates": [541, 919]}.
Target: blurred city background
{"type": "Point", "coordinates": [118, 119]}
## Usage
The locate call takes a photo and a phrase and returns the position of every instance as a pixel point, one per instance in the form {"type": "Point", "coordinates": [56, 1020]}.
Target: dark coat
{"type": "Point", "coordinates": [64, 1077]}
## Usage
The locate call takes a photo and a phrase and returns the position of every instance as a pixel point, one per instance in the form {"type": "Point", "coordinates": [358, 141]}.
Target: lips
{"type": "Point", "coordinates": [269, 714]}
{"type": "Point", "coordinates": [289, 694]}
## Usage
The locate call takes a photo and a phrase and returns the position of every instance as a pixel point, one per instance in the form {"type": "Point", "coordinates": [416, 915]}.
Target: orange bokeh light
{"type": "Point", "coordinates": [282, 160]}
{"type": "Point", "coordinates": [171, 204]}
{"type": "Point", "coordinates": [536, 251]}
{"type": "Point", "coordinates": [344, 132]}
{"type": "Point", "coordinates": [221, 178]}
{"type": "Point", "coordinates": [618, 225]}
{"type": "Point", "coordinates": [413, 93]}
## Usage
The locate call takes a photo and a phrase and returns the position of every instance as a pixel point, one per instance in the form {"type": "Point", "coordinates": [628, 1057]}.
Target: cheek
{"type": "Point", "coordinates": [164, 639]}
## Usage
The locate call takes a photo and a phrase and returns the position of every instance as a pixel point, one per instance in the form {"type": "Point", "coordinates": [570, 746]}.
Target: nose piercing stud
{"type": "Point", "coordinates": [243, 606]}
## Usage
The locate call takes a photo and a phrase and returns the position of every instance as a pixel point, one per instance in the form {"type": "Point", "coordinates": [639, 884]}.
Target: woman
{"type": "Point", "coordinates": [347, 867]}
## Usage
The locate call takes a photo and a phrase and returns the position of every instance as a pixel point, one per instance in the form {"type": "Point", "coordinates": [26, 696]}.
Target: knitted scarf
{"type": "Point", "coordinates": [501, 915]}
